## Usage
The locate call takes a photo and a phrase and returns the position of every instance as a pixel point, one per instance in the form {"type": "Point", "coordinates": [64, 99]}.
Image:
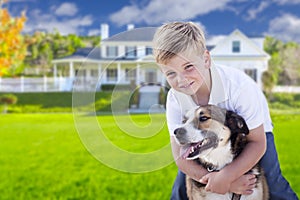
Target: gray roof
{"type": "Point", "coordinates": [91, 53]}
{"type": "Point", "coordinates": [95, 54]}
{"type": "Point", "coordinates": [134, 35]}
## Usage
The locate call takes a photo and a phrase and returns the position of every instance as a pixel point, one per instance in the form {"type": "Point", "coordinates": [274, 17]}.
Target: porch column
{"type": "Point", "coordinates": [99, 70]}
{"type": "Point", "coordinates": [137, 74]}
{"type": "Point", "coordinates": [71, 73]}
{"type": "Point", "coordinates": [258, 77]}
{"type": "Point", "coordinates": [119, 72]}
{"type": "Point", "coordinates": [99, 79]}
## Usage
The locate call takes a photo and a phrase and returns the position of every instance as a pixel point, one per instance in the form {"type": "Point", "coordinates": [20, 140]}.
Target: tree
{"type": "Point", "coordinates": [44, 47]}
{"type": "Point", "coordinates": [290, 55]}
{"type": "Point", "coordinates": [12, 45]}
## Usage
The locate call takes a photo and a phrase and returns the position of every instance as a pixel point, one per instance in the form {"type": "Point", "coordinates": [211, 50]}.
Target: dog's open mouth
{"type": "Point", "coordinates": [192, 150]}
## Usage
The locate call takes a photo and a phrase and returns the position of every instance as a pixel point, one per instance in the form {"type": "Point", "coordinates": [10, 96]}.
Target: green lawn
{"type": "Point", "coordinates": [42, 157]}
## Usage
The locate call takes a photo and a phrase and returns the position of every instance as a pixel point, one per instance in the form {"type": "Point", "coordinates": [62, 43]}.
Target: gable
{"type": "Point", "coordinates": [241, 44]}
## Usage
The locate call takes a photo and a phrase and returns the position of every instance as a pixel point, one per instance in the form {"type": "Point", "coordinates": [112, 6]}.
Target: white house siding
{"type": "Point", "coordinates": [244, 64]}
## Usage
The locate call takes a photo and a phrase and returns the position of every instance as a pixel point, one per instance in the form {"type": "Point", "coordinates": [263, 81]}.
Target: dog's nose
{"type": "Point", "coordinates": [179, 131]}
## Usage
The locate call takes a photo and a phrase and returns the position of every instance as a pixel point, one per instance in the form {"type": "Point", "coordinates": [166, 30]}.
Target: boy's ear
{"type": "Point", "coordinates": [207, 59]}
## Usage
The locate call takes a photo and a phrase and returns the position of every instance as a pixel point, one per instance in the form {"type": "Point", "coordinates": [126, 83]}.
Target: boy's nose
{"type": "Point", "coordinates": [182, 78]}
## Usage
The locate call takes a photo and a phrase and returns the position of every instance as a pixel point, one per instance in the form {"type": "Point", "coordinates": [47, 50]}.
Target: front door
{"type": "Point", "coordinates": [150, 76]}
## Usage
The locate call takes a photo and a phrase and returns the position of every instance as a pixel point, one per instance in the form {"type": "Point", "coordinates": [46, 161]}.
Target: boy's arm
{"type": "Point", "coordinates": [219, 182]}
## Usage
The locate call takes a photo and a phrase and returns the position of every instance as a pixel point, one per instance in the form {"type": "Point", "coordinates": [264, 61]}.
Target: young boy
{"type": "Point", "coordinates": [180, 51]}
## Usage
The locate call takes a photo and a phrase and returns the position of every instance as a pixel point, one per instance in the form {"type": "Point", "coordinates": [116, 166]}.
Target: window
{"type": "Point", "coordinates": [252, 73]}
{"type": "Point", "coordinates": [149, 51]}
{"type": "Point", "coordinates": [130, 51]}
{"type": "Point", "coordinates": [112, 74]}
{"type": "Point", "coordinates": [112, 51]}
{"type": "Point", "coordinates": [94, 73]}
{"type": "Point", "coordinates": [130, 74]}
{"type": "Point", "coordinates": [236, 46]}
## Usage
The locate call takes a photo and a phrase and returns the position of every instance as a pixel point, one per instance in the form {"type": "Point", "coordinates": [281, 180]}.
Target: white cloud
{"type": "Point", "coordinates": [252, 13]}
{"type": "Point", "coordinates": [215, 39]}
{"type": "Point", "coordinates": [38, 20]}
{"type": "Point", "coordinates": [66, 9]}
{"type": "Point", "coordinates": [93, 32]}
{"type": "Point", "coordinates": [285, 27]}
{"type": "Point", "coordinates": [286, 2]}
{"type": "Point", "coordinates": [157, 11]}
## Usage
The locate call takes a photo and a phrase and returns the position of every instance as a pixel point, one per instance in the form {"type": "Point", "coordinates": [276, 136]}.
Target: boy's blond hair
{"type": "Point", "coordinates": [177, 37]}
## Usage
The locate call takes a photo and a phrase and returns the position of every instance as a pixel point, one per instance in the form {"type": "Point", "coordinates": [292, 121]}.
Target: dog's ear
{"type": "Point", "coordinates": [239, 130]}
{"type": "Point", "coordinates": [236, 123]}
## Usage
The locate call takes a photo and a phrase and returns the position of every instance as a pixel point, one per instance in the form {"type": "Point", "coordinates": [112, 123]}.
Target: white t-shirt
{"type": "Point", "coordinates": [231, 89]}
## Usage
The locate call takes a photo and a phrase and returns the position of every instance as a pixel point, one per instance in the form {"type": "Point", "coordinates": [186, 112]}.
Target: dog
{"type": "Point", "coordinates": [213, 137]}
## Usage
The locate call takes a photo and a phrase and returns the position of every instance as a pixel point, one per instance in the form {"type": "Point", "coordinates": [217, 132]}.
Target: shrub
{"type": "Point", "coordinates": [8, 99]}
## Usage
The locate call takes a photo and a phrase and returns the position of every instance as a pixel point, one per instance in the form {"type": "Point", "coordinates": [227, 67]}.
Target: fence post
{"type": "Point", "coordinates": [22, 83]}
{"type": "Point", "coordinates": [45, 83]}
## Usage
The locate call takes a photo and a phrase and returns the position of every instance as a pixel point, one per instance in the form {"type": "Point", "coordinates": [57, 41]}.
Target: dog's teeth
{"type": "Point", "coordinates": [192, 150]}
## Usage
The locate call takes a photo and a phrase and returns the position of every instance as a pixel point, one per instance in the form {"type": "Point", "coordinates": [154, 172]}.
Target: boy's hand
{"type": "Point", "coordinates": [216, 182]}
{"type": "Point", "coordinates": [244, 184]}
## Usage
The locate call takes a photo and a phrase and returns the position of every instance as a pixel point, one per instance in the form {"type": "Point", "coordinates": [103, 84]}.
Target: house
{"type": "Point", "coordinates": [126, 58]}
{"type": "Point", "coordinates": [244, 53]}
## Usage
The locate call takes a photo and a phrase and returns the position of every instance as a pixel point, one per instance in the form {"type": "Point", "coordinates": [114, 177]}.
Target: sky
{"type": "Point", "coordinates": [277, 18]}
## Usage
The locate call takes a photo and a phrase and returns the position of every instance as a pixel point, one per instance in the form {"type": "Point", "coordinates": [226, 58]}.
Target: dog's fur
{"type": "Point", "coordinates": [213, 137]}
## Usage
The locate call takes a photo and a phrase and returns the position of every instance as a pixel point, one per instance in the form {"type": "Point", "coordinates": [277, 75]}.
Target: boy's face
{"type": "Point", "coordinates": [187, 74]}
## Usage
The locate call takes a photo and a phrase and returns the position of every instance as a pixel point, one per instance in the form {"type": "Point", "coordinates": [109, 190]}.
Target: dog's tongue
{"type": "Point", "coordinates": [186, 150]}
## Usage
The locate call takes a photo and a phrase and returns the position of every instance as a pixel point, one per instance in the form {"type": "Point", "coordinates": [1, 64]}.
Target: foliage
{"type": "Point", "coordinates": [12, 44]}
{"type": "Point", "coordinates": [44, 47]}
{"type": "Point", "coordinates": [135, 97]}
{"type": "Point", "coordinates": [162, 96]}
{"type": "Point", "coordinates": [62, 102]}
{"type": "Point", "coordinates": [284, 65]}
{"type": "Point", "coordinates": [285, 101]}
{"type": "Point", "coordinates": [8, 99]}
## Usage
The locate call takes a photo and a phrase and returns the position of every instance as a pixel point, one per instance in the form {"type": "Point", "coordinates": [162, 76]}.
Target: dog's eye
{"type": "Point", "coordinates": [203, 118]}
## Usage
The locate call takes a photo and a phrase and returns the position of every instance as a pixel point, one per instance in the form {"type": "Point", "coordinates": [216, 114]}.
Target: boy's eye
{"type": "Point", "coordinates": [170, 73]}
{"type": "Point", "coordinates": [188, 67]}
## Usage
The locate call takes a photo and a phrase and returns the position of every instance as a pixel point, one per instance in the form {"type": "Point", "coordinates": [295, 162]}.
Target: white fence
{"type": "Point", "coordinates": [60, 84]}
{"type": "Point", "coordinates": [47, 84]}
{"type": "Point", "coordinates": [288, 89]}
{"type": "Point", "coordinates": [25, 84]}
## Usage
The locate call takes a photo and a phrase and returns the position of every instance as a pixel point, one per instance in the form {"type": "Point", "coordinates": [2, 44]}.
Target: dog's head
{"type": "Point", "coordinates": [207, 128]}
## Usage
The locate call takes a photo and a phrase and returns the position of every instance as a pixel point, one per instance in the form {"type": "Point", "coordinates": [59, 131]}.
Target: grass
{"type": "Point", "coordinates": [42, 157]}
